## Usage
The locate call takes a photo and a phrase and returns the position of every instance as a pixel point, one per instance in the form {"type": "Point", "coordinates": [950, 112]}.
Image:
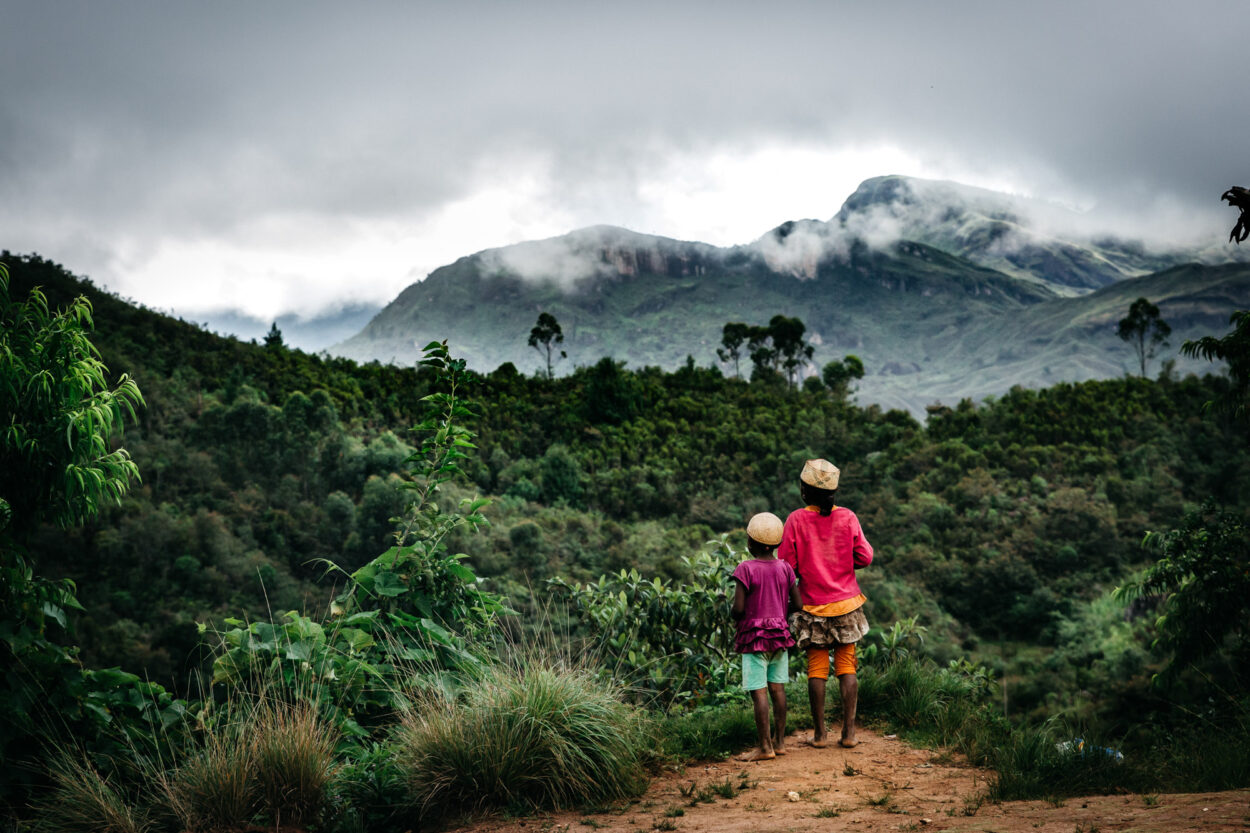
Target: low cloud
{"type": "Point", "coordinates": [800, 247]}
{"type": "Point", "coordinates": [564, 261]}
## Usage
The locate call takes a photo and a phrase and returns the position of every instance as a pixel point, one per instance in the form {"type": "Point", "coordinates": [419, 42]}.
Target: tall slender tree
{"type": "Point", "coordinates": [545, 336]}
{"type": "Point", "coordinates": [733, 337]}
{"type": "Point", "coordinates": [1145, 330]}
{"type": "Point", "coordinates": [793, 352]}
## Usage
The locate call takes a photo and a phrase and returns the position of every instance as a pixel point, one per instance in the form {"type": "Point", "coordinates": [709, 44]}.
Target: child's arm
{"type": "Point", "coordinates": [796, 603]}
{"type": "Point", "coordinates": [739, 608]}
{"type": "Point", "coordinates": [861, 549]}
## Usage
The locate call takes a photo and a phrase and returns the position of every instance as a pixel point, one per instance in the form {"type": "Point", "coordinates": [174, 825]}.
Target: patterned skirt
{"type": "Point", "coordinates": [811, 631]}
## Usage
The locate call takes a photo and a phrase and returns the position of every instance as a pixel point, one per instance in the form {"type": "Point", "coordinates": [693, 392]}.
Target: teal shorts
{"type": "Point", "coordinates": [758, 670]}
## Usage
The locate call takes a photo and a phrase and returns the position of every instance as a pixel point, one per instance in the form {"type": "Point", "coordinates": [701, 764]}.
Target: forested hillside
{"type": "Point", "coordinates": [1007, 521]}
{"type": "Point", "coordinates": [287, 572]}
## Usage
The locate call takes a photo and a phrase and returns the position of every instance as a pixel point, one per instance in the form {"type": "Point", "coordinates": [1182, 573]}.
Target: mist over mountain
{"type": "Point", "coordinates": [310, 334]}
{"type": "Point", "coordinates": [943, 290]}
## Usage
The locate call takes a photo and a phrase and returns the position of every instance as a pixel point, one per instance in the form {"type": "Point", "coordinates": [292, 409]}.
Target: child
{"type": "Point", "coordinates": [825, 545]}
{"type": "Point", "coordinates": [765, 591]}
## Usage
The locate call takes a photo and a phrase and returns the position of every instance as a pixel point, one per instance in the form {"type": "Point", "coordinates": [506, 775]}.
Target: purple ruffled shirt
{"type": "Point", "coordinates": [763, 628]}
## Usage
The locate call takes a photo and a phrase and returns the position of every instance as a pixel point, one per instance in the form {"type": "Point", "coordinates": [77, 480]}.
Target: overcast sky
{"type": "Point", "coordinates": [289, 157]}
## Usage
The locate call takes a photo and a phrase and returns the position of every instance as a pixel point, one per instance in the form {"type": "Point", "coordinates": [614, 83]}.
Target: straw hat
{"type": "Point", "coordinates": [765, 528]}
{"type": "Point", "coordinates": [820, 473]}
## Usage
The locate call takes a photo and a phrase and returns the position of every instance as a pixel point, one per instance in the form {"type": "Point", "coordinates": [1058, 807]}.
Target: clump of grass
{"type": "Point", "coordinates": [1029, 764]}
{"type": "Point", "coordinates": [973, 803]}
{"type": "Point", "coordinates": [214, 788]}
{"type": "Point", "coordinates": [83, 801]}
{"type": "Point", "coordinates": [707, 795]}
{"type": "Point", "coordinates": [265, 758]}
{"type": "Point", "coordinates": [543, 734]}
{"type": "Point", "coordinates": [674, 812]}
{"type": "Point", "coordinates": [827, 813]}
{"type": "Point", "coordinates": [293, 757]}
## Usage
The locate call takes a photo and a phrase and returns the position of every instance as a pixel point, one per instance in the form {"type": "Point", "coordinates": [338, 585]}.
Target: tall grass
{"type": "Point", "coordinates": [707, 733]}
{"type": "Point", "coordinates": [933, 704]}
{"type": "Point", "coordinates": [84, 801]}
{"type": "Point", "coordinates": [215, 787]}
{"type": "Point", "coordinates": [269, 759]}
{"type": "Point", "coordinates": [1211, 760]}
{"type": "Point", "coordinates": [532, 732]}
{"type": "Point", "coordinates": [1031, 762]}
{"type": "Point", "coordinates": [293, 754]}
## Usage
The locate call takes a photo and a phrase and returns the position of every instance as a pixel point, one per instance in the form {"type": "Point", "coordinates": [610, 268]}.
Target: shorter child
{"type": "Point", "coordinates": [765, 591]}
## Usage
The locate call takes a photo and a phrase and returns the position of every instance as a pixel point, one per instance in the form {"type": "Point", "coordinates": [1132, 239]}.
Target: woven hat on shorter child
{"type": "Point", "coordinates": [820, 473]}
{"type": "Point", "coordinates": [765, 528]}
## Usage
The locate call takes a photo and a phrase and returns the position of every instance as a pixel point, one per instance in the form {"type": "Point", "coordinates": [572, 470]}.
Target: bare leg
{"type": "Point", "coordinates": [816, 694]}
{"type": "Point", "coordinates": [778, 693]}
{"type": "Point", "coordinates": [848, 684]}
{"type": "Point", "coordinates": [759, 698]}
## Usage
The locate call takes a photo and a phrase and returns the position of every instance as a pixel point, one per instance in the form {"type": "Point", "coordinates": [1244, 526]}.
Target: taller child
{"type": "Point", "coordinates": [825, 544]}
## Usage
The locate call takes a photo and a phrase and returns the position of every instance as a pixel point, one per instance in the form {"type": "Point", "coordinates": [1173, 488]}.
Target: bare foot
{"type": "Point", "coordinates": [756, 755]}
{"type": "Point", "coordinates": [778, 750]}
{"type": "Point", "coordinates": [848, 743]}
{"type": "Point", "coordinates": [820, 743]}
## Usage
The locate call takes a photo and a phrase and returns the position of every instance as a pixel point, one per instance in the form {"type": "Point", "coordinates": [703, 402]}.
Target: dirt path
{"type": "Point", "coordinates": [881, 785]}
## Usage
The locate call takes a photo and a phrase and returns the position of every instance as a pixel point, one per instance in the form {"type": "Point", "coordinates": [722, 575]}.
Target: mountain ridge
{"type": "Point", "coordinates": [910, 274]}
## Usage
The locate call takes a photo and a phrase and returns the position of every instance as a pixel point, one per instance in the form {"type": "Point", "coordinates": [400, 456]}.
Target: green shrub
{"type": "Point", "coordinates": [369, 789]}
{"type": "Point", "coordinates": [540, 734]}
{"type": "Point", "coordinates": [671, 639]}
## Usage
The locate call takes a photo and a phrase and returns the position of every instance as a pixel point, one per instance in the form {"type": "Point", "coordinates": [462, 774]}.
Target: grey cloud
{"type": "Point", "coordinates": [160, 121]}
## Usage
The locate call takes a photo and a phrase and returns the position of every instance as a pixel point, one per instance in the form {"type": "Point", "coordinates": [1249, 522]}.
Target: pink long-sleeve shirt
{"type": "Point", "coordinates": [825, 551]}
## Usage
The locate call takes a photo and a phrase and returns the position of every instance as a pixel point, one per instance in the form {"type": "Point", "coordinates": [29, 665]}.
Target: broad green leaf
{"type": "Point", "coordinates": [389, 584]}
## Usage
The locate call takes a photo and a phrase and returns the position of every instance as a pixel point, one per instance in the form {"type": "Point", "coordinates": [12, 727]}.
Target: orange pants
{"type": "Point", "coordinates": [818, 662]}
